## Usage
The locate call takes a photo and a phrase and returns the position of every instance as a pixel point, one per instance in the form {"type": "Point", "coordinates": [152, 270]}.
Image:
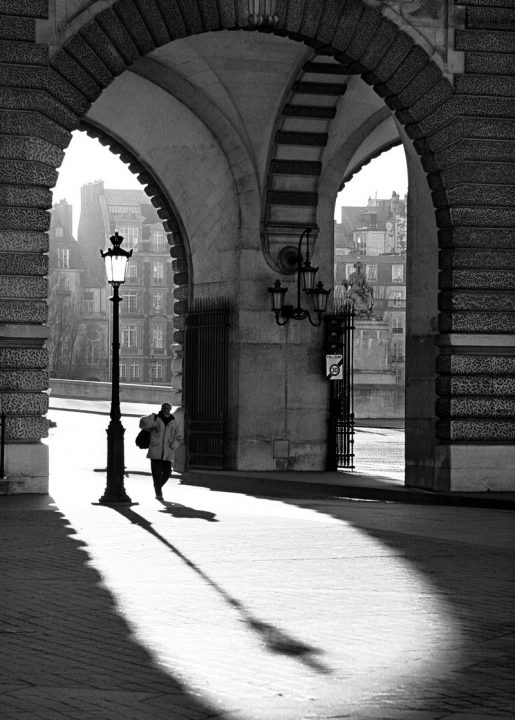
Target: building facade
{"type": "Point", "coordinates": [242, 140]}
{"type": "Point", "coordinates": [146, 310]}
{"type": "Point", "coordinates": [79, 307]}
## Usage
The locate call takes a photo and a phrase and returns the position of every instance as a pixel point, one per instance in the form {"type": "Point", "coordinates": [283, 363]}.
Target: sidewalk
{"type": "Point", "coordinates": [379, 473]}
{"type": "Point", "coordinates": [237, 607]}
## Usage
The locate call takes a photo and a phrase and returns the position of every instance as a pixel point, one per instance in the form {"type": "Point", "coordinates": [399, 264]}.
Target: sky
{"type": "Point", "coordinates": [87, 160]}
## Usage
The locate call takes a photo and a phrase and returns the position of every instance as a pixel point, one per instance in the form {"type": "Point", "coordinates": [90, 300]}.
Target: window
{"type": "Point", "coordinates": [157, 371]}
{"type": "Point", "coordinates": [92, 351]}
{"type": "Point", "coordinates": [158, 241]}
{"type": "Point", "coordinates": [134, 371]}
{"type": "Point", "coordinates": [398, 273]}
{"type": "Point", "coordinates": [88, 301]}
{"type": "Point", "coordinates": [396, 296]}
{"type": "Point", "coordinates": [131, 299]}
{"type": "Point", "coordinates": [132, 271]}
{"type": "Point", "coordinates": [157, 271]}
{"type": "Point", "coordinates": [157, 336]}
{"type": "Point", "coordinates": [63, 257]}
{"type": "Point", "coordinates": [58, 232]}
{"type": "Point", "coordinates": [130, 234]}
{"type": "Point", "coordinates": [123, 371]}
{"type": "Point", "coordinates": [397, 353]}
{"type": "Point", "coordinates": [397, 324]}
{"type": "Point", "coordinates": [348, 270]}
{"type": "Point", "coordinates": [157, 301]}
{"type": "Point", "coordinates": [371, 272]}
{"type": "Point", "coordinates": [129, 336]}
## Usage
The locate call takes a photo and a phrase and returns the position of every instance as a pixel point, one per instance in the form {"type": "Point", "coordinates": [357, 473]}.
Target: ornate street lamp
{"type": "Point", "coordinates": [306, 278]}
{"type": "Point", "coordinates": [115, 259]}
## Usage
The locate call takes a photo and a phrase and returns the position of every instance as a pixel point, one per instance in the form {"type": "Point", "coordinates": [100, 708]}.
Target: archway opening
{"type": "Point", "coordinates": [370, 237]}
{"type": "Point", "coordinates": [99, 195]}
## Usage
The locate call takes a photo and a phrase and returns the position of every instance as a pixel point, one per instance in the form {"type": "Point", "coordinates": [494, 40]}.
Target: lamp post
{"type": "Point", "coordinates": [115, 259]}
{"type": "Point", "coordinates": [306, 277]}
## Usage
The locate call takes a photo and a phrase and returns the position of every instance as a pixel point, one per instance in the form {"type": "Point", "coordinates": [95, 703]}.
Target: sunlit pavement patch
{"type": "Point", "coordinates": [269, 612]}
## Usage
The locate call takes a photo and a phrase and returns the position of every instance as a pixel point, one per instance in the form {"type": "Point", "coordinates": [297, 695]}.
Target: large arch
{"type": "Point", "coordinates": [454, 121]}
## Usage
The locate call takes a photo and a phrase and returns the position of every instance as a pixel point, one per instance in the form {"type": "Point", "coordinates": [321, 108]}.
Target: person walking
{"type": "Point", "coordinates": [165, 438]}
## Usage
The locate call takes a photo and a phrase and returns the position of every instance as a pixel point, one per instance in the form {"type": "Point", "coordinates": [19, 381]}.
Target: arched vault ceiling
{"type": "Point", "coordinates": [238, 85]}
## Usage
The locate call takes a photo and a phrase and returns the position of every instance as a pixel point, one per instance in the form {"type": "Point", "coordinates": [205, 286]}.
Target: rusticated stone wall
{"type": "Point", "coordinates": [475, 151]}
{"type": "Point", "coordinates": [33, 133]}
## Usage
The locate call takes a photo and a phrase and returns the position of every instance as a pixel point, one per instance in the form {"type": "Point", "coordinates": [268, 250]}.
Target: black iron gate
{"type": "Point", "coordinates": [339, 341]}
{"type": "Point", "coordinates": [205, 390]}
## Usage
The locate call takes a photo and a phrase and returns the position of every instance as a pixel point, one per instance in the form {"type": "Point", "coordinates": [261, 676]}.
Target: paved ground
{"type": "Point", "coordinates": [230, 606]}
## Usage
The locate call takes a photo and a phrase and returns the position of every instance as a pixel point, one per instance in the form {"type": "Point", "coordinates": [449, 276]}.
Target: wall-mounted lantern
{"type": "Point", "coordinates": [306, 274]}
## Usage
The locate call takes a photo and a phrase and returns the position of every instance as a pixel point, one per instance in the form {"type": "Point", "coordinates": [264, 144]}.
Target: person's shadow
{"type": "Point", "coordinates": [183, 511]}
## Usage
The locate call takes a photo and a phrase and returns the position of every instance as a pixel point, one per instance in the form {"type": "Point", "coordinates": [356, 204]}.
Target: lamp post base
{"type": "Point", "coordinates": [109, 498]}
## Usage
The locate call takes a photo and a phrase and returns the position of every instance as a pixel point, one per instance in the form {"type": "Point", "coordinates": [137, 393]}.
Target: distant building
{"type": "Point", "coordinates": [375, 235]}
{"type": "Point", "coordinates": [146, 312]}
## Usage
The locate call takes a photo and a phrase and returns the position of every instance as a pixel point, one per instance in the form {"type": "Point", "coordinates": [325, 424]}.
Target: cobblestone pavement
{"type": "Point", "coordinates": [229, 606]}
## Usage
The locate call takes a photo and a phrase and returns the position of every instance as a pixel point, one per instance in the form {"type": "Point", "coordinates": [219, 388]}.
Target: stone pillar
{"type": "Point", "coordinates": [31, 143]}
{"type": "Point", "coordinates": [476, 353]}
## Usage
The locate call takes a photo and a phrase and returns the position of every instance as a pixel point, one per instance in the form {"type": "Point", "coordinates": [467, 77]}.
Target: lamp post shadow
{"type": "Point", "coordinates": [272, 637]}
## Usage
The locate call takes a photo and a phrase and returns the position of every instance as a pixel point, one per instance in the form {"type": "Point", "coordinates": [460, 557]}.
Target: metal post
{"type": "Point", "coordinates": [115, 490]}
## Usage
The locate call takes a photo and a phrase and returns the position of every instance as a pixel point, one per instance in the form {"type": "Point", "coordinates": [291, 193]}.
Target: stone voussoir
{"type": "Point", "coordinates": [25, 195]}
{"type": "Point", "coordinates": [28, 429]}
{"type": "Point", "coordinates": [480, 195]}
{"type": "Point", "coordinates": [23, 264]}
{"type": "Point", "coordinates": [475, 385]}
{"type": "Point", "coordinates": [66, 65]}
{"type": "Point", "coordinates": [471, 237]}
{"type": "Point", "coordinates": [95, 37]}
{"type": "Point", "coordinates": [23, 53]}
{"type": "Point", "coordinates": [20, 99]}
{"type": "Point", "coordinates": [476, 430]}
{"type": "Point", "coordinates": [478, 216]}
{"type": "Point", "coordinates": [82, 52]}
{"type": "Point", "coordinates": [466, 363]}
{"type": "Point", "coordinates": [499, 323]}
{"type": "Point", "coordinates": [118, 34]}
{"type": "Point", "coordinates": [22, 122]}
{"type": "Point", "coordinates": [23, 241]}
{"type": "Point", "coordinates": [476, 300]}
{"type": "Point", "coordinates": [471, 279]}
{"type": "Point", "coordinates": [28, 403]}
{"type": "Point", "coordinates": [27, 311]}
{"type": "Point", "coordinates": [17, 28]}
{"type": "Point", "coordinates": [476, 407]}
{"type": "Point", "coordinates": [23, 379]}
{"type": "Point", "coordinates": [24, 172]}
{"type": "Point", "coordinates": [23, 287]}
{"type": "Point", "coordinates": [153, 19]}
{"type": "Point", "coordinates": [21, 218]}
{"type": "Point", "coordinates": [476, 258]}
{"type": "Point", "coordinates": [470, 173]}
{"type": "Point", "coordinates": [129, 15]}
{"type": "Point", "coordinates": [173, 18]}
{"type": "Point", "coordinates": [24, 358]}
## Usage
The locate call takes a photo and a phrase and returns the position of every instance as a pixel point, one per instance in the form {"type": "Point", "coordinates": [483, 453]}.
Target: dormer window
{"type": "Point", "coordinates": [59, 232]}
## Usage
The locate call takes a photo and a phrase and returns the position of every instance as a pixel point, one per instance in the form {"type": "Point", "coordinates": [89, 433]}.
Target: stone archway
{"type": "Point", "coordinates": [445, 123]}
